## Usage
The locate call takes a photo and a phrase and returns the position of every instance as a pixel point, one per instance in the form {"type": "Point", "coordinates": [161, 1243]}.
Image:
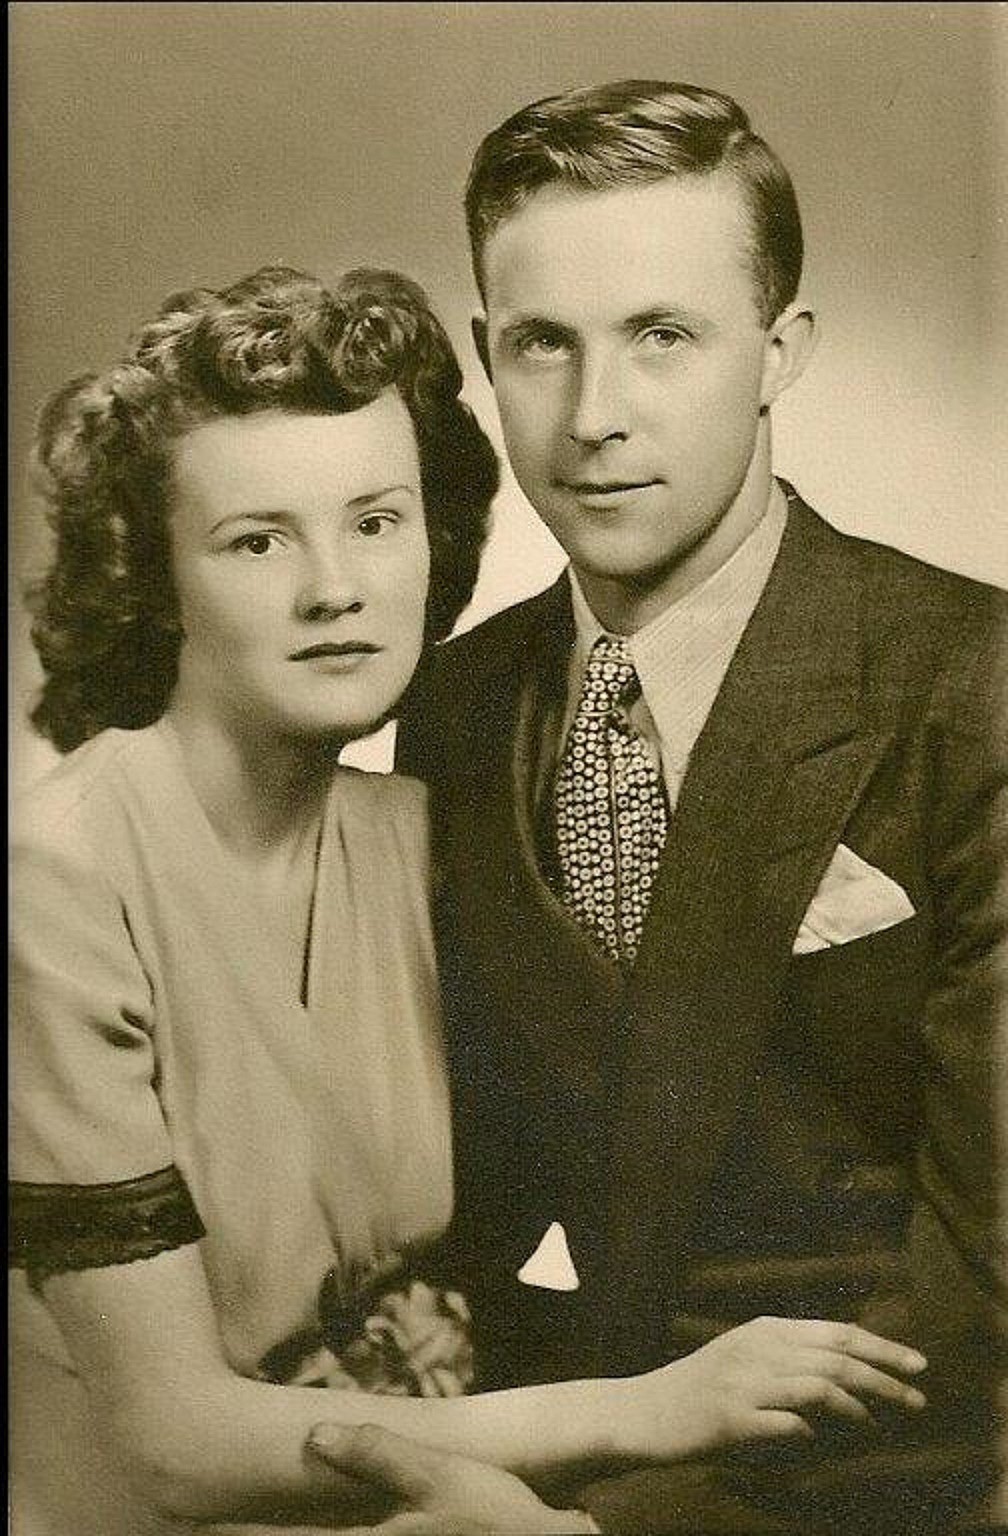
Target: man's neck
{"type": "Point", "coordinates": [623, 607]}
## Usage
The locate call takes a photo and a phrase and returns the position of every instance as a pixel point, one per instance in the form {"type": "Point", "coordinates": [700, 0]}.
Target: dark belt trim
{"type": "Point", "coordinates": [54, 1228]}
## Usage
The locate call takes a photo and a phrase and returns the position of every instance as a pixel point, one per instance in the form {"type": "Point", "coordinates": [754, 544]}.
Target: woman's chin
{"type": "Point", "coordinates": [335, 734]}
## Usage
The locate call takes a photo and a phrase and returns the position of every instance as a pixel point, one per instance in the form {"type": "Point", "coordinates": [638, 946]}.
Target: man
{"type": "Point", "coordinates": [720, 826]}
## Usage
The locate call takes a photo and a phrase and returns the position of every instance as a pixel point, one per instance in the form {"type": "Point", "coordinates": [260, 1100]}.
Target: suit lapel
{"type": "Point", "coordinates": [557, 989]}
{"type": "Point", "coordinates": [783, 757]}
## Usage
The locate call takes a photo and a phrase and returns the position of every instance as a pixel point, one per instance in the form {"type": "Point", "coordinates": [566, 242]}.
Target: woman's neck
{"type": "Point", "coordinates": [262, 794]}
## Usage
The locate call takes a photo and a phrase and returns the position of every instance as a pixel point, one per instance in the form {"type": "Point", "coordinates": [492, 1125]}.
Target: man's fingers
{"type": "Point", "coordinates": [409, 1523]}
{"type": "Point", "coordinates": [376, 1455]}
{"type": "Point", "coordinates": [804, 1392]}
{"type": "Point", "coordinates": [778, 1424]}
{"type": "Point", "coordinates": [851, 1339]}
{"type": "Point", "coordinates": [867, 1381]}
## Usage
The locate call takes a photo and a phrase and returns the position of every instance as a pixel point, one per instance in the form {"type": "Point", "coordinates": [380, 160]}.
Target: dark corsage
{"type": "Point", "coordinates": [416, 1343]}
{"type": "Point", "coordinates": [399, 1337]}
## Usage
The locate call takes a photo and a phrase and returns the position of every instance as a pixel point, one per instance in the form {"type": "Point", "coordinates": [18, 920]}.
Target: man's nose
{"type": "Point", "coordinates": [329, 585]}
{"type": "Point", "coordinates": [599, 410]}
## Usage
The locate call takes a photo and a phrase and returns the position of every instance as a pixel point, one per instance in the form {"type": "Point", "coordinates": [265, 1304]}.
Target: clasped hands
{"type": "Point", "coordinates": [769, 1379]}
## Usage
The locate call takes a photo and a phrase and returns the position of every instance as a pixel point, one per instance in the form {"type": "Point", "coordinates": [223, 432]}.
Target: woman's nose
{"type": "Point", "coordinates": [328, 587]}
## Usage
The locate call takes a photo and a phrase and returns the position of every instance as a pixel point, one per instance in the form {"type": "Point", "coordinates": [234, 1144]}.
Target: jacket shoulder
{"type": "Point", "coordinates": [499, 637]}
{"type": "Point", "coordinates": [931, 593]}
{"type": "Point", "coordinates": [466, 681]}
{"type": "Point", "coordinates": [907, 604]}
{"type": "Point", "coordinates": [935, 638]}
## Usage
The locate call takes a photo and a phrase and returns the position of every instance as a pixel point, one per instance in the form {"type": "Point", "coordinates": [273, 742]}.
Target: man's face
{"type": "Point", "coordinates": [630, 365]}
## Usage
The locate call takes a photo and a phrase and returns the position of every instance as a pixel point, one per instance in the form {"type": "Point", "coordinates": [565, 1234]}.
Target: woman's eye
{"type": "Point", "coordinates": [255, 543]}
{"type": "Point", "coordinates": [375, 523]}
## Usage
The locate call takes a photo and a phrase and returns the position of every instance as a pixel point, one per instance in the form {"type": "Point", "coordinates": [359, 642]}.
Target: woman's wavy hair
{"type": "Point", "coordinates": [105, 614]}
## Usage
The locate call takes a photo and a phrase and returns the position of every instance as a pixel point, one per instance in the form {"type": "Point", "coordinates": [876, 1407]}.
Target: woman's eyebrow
{"type": "Point", "coordinates": [282, 515]}
{"type": "Point", "coordinates": [389, 490]}
{"type": "Point", "coordinates": [255, 515]}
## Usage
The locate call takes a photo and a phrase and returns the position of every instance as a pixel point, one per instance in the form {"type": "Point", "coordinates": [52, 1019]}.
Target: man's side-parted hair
{"type": "Point", "coordinates": [105, 614]}
{"type": "Point", "coordinates": [629, 133]}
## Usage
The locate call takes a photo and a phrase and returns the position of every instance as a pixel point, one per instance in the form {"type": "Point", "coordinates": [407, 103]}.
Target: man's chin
{"type": "Point", "coordinates": [637, 576]}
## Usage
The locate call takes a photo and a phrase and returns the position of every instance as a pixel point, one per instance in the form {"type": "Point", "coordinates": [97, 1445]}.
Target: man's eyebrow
{"type": "Point", "coordinates": [519, 324]}
{"type": "Point", "coordinates": [656, 314]}
{"type": "Point", "coordinates": [659, 314]}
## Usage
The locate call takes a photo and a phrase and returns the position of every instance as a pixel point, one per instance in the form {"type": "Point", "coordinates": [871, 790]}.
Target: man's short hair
{"type": "Point", "coordinates": [632, 132]}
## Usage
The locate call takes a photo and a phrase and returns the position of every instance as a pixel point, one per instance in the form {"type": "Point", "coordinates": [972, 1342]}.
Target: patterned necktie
{"type": "Point", "coordinates": [610, 807]}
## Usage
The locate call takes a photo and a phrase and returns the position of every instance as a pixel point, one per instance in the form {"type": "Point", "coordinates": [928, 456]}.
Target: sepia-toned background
{"type": "Point", "coordinates": [154, 146]}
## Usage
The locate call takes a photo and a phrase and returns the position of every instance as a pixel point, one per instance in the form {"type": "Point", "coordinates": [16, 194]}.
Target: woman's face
{"type": "Point", "coordinates": [301, 565]}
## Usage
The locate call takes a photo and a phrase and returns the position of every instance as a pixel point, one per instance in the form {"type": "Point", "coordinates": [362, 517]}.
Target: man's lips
{"type": "Point", "coordinates": [334, 648]}
{"type": "Point", "coordinates": [605, 487]}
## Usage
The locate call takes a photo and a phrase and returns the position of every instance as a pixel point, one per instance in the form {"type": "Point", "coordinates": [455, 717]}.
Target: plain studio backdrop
{"type": "Point", "coordinates": [159, 146]}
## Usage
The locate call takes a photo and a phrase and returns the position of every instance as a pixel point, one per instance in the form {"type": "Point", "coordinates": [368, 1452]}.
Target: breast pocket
{"type": "Point", "coordinates": [853, 1011]}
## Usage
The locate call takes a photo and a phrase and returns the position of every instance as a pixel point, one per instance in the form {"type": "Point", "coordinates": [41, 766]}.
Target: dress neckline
{"type": "Point", "coordinates": [247, 906]}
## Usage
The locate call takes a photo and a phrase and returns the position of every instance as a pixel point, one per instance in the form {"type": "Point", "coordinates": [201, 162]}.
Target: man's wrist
{"type": "Point", "coordinates": [573, 1522]}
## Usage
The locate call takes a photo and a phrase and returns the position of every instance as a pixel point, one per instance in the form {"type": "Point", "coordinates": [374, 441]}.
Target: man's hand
{"type": "Point", "coordinates": [769, 1379]}
{"type": "Point", "coordinates": [440, 1494]}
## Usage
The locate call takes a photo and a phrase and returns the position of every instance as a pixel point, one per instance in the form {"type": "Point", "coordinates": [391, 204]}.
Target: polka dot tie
{"type": "Point", "coordinates": [610, 807]}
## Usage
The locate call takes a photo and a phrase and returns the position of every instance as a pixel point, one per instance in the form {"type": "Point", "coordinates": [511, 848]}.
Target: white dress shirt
{"type": "Point", "coordinates": [682, 656]}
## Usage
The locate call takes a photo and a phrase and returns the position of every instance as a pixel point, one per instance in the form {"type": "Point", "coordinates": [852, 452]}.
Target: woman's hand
{"type": "Point", "coordinates": [769, 1379]}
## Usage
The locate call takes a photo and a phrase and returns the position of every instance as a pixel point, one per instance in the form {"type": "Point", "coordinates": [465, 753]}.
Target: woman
{"type": "Point", "coordinates": [229, 1116]}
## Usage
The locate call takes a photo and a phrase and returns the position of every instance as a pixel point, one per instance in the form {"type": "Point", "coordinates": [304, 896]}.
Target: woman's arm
{"type": "Point", "coordinates": [203, 1443]}
{"type": "Point", "coordinates": [104, 1214]}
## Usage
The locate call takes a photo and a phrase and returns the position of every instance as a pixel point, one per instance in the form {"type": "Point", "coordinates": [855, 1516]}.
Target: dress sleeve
{"type": "Point", "coordinates": [90, 1157]}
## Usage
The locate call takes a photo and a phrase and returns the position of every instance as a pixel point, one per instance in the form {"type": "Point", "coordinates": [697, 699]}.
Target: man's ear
{"type": "Point", "coordinates": [789, 344]}
{"type": "Point", "coordinates": [479, 336]}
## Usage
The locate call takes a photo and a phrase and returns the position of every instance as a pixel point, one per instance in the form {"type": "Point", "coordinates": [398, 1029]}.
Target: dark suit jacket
{"type": "Point", "coordinates": [731, 1129]}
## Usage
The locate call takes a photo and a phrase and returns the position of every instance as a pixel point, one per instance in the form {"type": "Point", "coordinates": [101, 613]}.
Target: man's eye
{"type": "Point", "coordinates": [540, 344]}
{"type": "Point", "coordinates": [661, 338]}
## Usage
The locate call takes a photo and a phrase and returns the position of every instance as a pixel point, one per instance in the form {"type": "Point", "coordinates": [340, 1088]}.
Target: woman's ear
{"type": "Point", "coordinates": [790, 342]}
{"type": "Point", "coordinates": [479, 336]}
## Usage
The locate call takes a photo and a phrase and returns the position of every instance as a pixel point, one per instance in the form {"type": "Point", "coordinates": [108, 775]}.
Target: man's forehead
{"type": "Point", "coordinates": [631, 248]}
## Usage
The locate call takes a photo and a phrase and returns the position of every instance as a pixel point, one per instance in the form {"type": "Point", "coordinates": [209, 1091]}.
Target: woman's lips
{"type": "Point", "coordinates": [328, 649]}
{"type": "Point", "coordinates": [344, 657]}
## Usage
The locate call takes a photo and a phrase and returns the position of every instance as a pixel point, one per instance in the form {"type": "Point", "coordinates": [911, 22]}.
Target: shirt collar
{"type": "Point", "coordinates": [682, 655]}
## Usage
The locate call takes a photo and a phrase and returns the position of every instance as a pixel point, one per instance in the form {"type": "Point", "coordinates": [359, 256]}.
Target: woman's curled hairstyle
{"type": "Point", "coordinates": [105, 615]}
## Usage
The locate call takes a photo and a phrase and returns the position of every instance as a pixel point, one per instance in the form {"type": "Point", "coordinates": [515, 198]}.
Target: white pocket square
{"type": "Point", "coordinates": [551, 1267]}
{"type": "Point", "coordinates": [854, 899]}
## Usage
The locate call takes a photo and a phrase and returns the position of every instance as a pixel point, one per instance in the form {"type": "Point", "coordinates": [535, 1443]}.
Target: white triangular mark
{"type": "Point", "coordinates": [551, 1266]}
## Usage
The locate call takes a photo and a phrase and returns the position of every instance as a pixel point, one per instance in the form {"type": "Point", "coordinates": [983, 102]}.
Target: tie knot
{"type": "Point", "coordinates": [610, 675]}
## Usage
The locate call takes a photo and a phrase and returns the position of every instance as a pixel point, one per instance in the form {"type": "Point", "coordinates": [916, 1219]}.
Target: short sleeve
{"type": "Point", "coordinates": [90, 1156]}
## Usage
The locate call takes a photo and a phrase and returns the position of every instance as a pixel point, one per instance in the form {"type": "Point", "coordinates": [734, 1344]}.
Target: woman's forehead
{"type": "Point", "coordinates": [273, 451]}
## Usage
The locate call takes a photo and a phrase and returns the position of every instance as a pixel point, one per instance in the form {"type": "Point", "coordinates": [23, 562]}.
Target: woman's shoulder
{"type": "Point", "coordinates": [383, 794]}
{"type": "Point", "coordinates": [79, 805]}
{"type": "Point", "coordinates": [381, 816]}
